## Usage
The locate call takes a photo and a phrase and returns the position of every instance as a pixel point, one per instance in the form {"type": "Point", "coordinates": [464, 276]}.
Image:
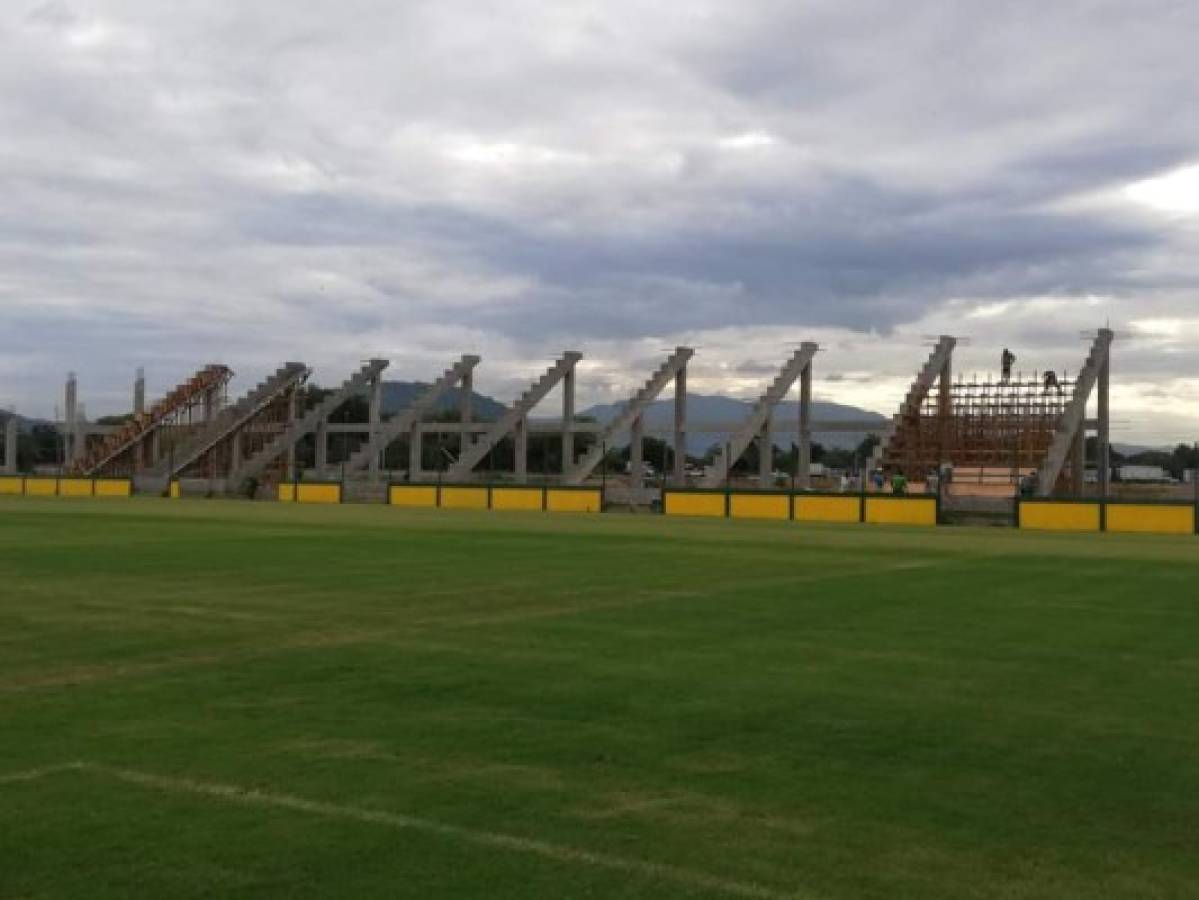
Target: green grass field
{"type": "Point", "coordinates": [217, 699]}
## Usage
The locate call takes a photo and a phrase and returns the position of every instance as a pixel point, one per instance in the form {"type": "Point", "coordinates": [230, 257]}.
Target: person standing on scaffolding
{"type": "Point", "coordinates": [1051, 382]}
{"type": "Point", "coordinates": [1006, 362]}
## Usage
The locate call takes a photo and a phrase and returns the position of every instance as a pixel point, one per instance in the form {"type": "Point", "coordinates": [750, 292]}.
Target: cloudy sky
{"type": "Point", "coordinates": [253, 182]}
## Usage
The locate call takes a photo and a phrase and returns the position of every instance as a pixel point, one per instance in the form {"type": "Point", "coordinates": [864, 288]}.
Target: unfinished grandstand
{"type": "Point", "coordinates": [990, 436]}
{"type": "Point", "coordinates": [998, 435]}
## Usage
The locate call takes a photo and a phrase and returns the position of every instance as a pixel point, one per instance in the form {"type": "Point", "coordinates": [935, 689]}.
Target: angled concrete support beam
{"type": "Point", "coordinates": [1095, 373]}
{"type": "Point", "coordinates": [515, 415]}
{"type": "Point", "coordinates": [408, 422]}
{"type": "Point", "coordinates": [938, 367]}
{"type": "Point", "coordinates": [317, 417]}
{"type": "Point", "coordinates": [630, 415]}
{"type": "Point", "coordinates": [762, 411]}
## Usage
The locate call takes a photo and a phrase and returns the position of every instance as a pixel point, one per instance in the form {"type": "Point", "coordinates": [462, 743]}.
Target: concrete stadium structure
{"type": "Point", "coordinates": [196, 439]}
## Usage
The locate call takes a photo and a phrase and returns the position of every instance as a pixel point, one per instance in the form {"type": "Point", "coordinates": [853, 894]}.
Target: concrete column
{"type": "Point", "coordinates": [139, 392]}
{"type": "Point", "coordinates": [414, 452]}
{"type": "Point", "coordinates": [765, 453]}
{"type": "Point", "coordinates": [295, 410]}
{"type": "Point", "coordinates": [70, 419]}
{"type": "Point", "coordinates": [10, 445]}
{"type": "Point", "coordinates": [466, 407]}
{"type": "Point", "coordinates": [155, 446]}
{"type": "Point", "coordinates": [1078, 461]}
{"type": "Point", "coordinates": [944, 409]}
{"type": "Point", "coordinates": [804, 474]}
{"type": "Point", "coordinates": [376, 406]}
{"type": "Point", "coordinates": [636, 449]}
{"type": "Point", "coordinates": [568, 420]}
{"type": "Point", "coordinates": [235, 452]}
{"type": "Point", "coordinates": [521, 440]}
{"type": "Point", "coordinates": [321, 461]}
{"type": "Point", "coordinates": [1104, 449]}
{"type": "Point", "coordinates": [680, 425]}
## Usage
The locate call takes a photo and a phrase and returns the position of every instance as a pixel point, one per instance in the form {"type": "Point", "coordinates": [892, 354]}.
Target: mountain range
{"type": "Point", "coordinates": [702, 409]}
{"type": "Point", "coordinates": [706, 409]}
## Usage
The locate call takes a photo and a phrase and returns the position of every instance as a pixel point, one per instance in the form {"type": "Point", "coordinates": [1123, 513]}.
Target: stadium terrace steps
{"type": "Point", "coordinates": [628, 414]}
{"type": "Point", "coordinates": [308, 423]}
{"type": "Point", "coordinates": [233, 417]}
{"type": "Point", "coordinates": [474, 454]}
{"type": "Point", "coordinates": [400, 424]}
{"type": "Point", "coordinates": [142, 425]}
{"type": "Point", "coordinates": [762, 409]}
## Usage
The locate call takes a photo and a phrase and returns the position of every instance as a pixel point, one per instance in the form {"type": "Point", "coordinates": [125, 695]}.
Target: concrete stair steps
{"type": "Point", "coordinates": [208, 379]}
{"type": "Point", "coordinates": [309, 422]}
{"type": "Point", "coordinates": [232, 417]}
{"type": "Point", "coordinates": [893, 440]}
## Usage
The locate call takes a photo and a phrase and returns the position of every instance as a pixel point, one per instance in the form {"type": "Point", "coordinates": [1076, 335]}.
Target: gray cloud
{"type": "Point", "coordinates": [253, 182]}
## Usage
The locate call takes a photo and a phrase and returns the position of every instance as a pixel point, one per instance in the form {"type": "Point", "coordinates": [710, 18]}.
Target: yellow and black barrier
{"type": "Point", "coordinates": [1115, 516]}
{"type": "Point", "coordinates": [501, 497]}
{"type": "Point", "coordinates": [66, 486]}
{"type": "Point", "coordinates": [320, 492]}
{"type": "Point", "coordinates": [801, 506]}
{"type": "Point", "coordinates": [892, 510]}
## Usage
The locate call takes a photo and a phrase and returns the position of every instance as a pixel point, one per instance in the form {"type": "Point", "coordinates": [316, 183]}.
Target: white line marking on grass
{"type": "Point", "coordinates": [39, 773]}
{"type": "Point", "coordinates": [556, 852]}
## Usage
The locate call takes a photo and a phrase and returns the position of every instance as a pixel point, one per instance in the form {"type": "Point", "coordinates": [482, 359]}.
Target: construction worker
{"type": "Point", "coordinates": [1006, 362]}
{"type": "Point", "coordinates": [1051, 382]}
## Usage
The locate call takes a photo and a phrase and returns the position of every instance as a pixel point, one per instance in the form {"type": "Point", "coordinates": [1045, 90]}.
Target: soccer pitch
{"type": "Point", "coordinates": [213, 698]}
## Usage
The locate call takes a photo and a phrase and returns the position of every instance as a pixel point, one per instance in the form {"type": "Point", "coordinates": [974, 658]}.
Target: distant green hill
{"type": "Point", "coordinates": [399, 395]}
{"type": "Point", "coordinates": [707, 409]}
